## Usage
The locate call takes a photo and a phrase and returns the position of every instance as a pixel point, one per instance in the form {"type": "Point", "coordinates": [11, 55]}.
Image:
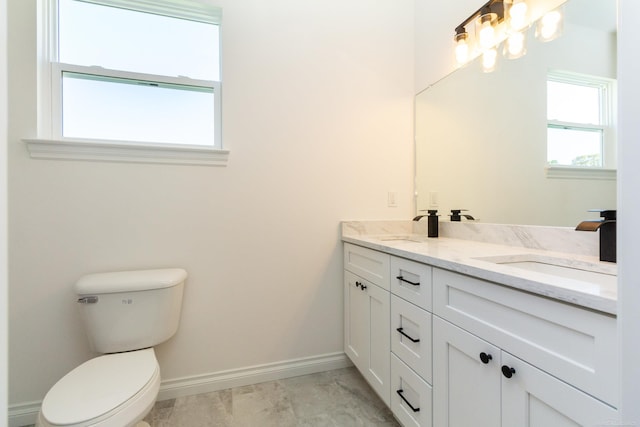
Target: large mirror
{"type": "Point", "coordinates": [481, 138]}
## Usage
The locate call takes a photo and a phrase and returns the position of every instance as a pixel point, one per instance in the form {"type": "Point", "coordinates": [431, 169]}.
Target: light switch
{"type": "Point", "coordinates": [392, 197]}
{"type": "Point", "coordinates": [433, 199]}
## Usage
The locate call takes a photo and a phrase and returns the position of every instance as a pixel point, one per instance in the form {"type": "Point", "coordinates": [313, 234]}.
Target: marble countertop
{"type": "Point", "coordinates": [490, 261]}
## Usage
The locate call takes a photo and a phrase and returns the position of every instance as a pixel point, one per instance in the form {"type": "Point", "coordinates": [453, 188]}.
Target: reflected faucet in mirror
{"type": "Point", "coordinates": [607, 227]}
{"type": "Point", "coordinates": [456, 216]}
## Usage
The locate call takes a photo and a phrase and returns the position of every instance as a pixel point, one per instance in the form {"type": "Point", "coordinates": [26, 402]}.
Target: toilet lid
{"type": "Point", "coordinates": [98, 386]}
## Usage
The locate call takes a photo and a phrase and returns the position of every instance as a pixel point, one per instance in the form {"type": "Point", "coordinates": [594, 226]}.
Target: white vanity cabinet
{"type": "Point", "coordinates": [502, 357]}
{"type": "Point", "coordinates": [446, 349]}
{"type": "Point", "coordinates": [366, 315]}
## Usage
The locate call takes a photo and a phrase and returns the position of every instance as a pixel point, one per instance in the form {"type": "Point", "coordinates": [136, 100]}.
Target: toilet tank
{"type": "Point", "coordinates": [130, 310]}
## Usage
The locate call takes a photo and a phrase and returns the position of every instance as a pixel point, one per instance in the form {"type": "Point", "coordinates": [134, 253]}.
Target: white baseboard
{"type": "Point", "coordinates": [26, 413]}
{"type": "Point", "coordinates": [207, 383]}
{"type": "Point", "coordinates": [23, 414]}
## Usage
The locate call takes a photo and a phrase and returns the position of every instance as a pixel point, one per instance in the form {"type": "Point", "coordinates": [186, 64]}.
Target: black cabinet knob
{"type": "Point", "coordinates": [508, 371]}
{"type": "Point", "coordinates": [363, 286]}
{"type": "Point", "coordinates": [485, 358]}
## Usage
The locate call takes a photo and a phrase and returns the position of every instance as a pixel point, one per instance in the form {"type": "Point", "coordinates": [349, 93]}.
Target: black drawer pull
{"type": "Point", "coordinates": [406, 401]}
{"type": "Point", "coordinates": [402, 279]}
{"type": "Point", "coordinates": [402, 333]}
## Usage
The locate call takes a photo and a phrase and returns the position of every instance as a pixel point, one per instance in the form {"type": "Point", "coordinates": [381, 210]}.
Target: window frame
{"type": "Point", "coordinates": [607, 88]}
{"type": "Point", "coordinates": [52, 145]}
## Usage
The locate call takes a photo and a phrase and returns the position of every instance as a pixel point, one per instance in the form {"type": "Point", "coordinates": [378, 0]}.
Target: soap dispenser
{"type": "Point", "coordinates": [432, 223]}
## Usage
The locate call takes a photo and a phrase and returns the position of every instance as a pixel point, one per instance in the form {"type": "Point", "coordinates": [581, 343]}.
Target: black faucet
{"type": "Point", "coordinates": [455, 215]}
{"type": "Point", "coordinates": [607, 227]}
{"type": "Point", "coordinates": [428, 211]}
{"type": "Point", "coordinates": [432, 225]}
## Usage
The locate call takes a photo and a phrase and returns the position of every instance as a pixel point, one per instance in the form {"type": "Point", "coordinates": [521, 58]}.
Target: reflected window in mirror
{"type": "Point", "coordinates": [579, 120]}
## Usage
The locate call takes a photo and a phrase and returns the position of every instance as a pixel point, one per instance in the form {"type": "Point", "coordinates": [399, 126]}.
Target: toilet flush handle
{"type": "Point", "coordinates": [88, 300]}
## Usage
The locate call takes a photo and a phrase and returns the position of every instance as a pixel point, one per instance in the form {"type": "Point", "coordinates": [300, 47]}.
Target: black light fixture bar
{"type": "Point", "coordinates": [492, 6]}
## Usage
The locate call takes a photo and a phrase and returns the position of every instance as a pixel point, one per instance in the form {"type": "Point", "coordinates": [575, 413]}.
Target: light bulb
{"type": "Point", "coordinates": [515, 45]}
{"type": "Point", "coordinates": [518, 15]}
{"type": "Point", "coordinates": [489, 60]}
{"type": "Point", "coordinates": [462, 48]}
{"type": "Point", "coordinates": [549, 25]}
{"type": "Point", "coordinates": [485, 30]}
{"type": "Point", "coordinates": [487, 35]}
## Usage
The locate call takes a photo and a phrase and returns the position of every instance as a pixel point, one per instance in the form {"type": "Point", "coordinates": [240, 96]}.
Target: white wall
{"type": "Point", "coordinates": [629, 207]}
{"type": "Point", "coordinates": [318, 117]}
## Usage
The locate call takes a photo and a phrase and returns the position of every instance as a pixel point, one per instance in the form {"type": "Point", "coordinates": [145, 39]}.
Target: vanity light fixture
{"type": "Point", "coordinates": [500, 21]}
{"type": "Point", "coordinates": [478, 31]}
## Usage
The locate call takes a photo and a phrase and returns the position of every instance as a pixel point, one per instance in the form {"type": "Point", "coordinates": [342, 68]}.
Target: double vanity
{"type": "Point", "coordinates": [482, 326]}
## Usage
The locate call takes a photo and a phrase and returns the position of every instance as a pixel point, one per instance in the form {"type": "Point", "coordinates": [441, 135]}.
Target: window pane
{"type": "Point", "coordinates": [121, 39]}
{"type": "Point", "coordinates": [574, 147]}
{"type": "Point", "coordinates": [129, 110]}
{"type": "Point", "coordinates": [573, 103]}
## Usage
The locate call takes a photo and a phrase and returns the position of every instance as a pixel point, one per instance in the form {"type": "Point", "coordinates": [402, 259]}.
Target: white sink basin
{"type": "Point", "coordinates": [562, 267]}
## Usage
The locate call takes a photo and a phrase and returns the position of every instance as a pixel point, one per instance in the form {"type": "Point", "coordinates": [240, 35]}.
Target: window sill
{"type": "Point", "coordinates": [128, 152]}
{"type": "Point", "coordinates": [569, 172]}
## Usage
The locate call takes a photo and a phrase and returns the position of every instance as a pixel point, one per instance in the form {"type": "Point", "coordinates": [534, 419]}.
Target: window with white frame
{"type": "Point", "coordinates": [580, 130]}
{"type": "Point", "coordinates": [140, 74]}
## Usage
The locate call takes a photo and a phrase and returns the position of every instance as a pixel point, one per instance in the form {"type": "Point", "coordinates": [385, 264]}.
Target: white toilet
{"type": "Point", "coordinates": [126, 314]}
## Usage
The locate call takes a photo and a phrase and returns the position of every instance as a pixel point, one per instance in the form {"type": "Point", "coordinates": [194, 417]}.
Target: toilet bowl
{"type": "Point", "coordinates": [113, 390]}
{"type": "Point", "coordinates": [125, 314]}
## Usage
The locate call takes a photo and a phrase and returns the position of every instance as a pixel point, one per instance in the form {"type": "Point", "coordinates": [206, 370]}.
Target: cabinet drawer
{"type": "Point", "coordinates": [368, 264]}
{"type": "Point", "coordinates": [412, 281]}
{"type": "Point", "coordinates": [410, 396]}
{"type": "Point", "coordinates": [411, 336]}
{"type": "Point", "coordinates": [573, 344]}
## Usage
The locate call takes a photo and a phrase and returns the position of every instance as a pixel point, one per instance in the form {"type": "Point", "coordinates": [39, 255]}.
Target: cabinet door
{"type": "Point", "coordinates": [378, 313]}
{"type": "Point", "coordinates": [533, 398]}
{"type": "Point", "coordinates": [367, 331]}
{"type": "Point", "coordinates": [356, 325]}
{"type": "Point", "coordinates": [466, 390]}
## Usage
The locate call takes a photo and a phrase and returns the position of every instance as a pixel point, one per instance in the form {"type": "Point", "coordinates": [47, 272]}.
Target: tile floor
{"type": "Point", "coordinates": [340, 398]}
